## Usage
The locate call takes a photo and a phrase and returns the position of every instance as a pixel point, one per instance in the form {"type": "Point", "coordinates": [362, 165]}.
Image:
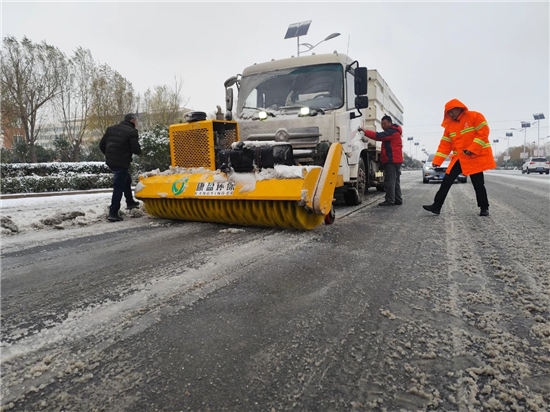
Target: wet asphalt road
{"type": "Point", "coordinates": [387, 309]}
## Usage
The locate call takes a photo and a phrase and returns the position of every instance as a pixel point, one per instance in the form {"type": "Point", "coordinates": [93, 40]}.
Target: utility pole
{"type": "Point", "coordinates": [525, 125]}
{"type": "Point", "coordinates": [508, 136]}
{"type": "Point", "coordinates": [495, 141]}
{"type": "Point", "coordinates": [538, 117]}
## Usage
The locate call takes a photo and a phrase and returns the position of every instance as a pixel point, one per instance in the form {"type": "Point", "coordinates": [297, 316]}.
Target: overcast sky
{"type": "Point", "coordinates": [492, 56]}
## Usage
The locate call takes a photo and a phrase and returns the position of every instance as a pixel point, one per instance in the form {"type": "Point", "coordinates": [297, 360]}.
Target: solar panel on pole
{"type": "Point", "coordinates": [297, 30]}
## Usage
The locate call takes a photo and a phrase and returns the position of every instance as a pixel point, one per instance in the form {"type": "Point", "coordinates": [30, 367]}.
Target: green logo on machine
{"type": "Point", "coordinates": [179, 186]}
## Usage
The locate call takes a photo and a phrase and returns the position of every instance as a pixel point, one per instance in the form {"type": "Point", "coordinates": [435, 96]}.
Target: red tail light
{"type": "Point", "coordinates": [532, 163]}
{"type": "Point", "coordinates": [547, 163]}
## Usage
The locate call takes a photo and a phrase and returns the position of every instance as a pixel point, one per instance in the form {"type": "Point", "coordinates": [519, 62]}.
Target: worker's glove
{"type": "Point", "coordinates": [360, 130]}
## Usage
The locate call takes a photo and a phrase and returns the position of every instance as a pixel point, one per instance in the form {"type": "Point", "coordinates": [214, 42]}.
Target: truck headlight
{"type": "Point", "coordinates": [304, 111]}
{"type": "Point", "coordinates": [262, 115]}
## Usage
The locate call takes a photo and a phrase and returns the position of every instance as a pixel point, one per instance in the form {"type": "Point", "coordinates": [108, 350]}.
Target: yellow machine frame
{"type": "Point", "coordinates": [199, 192]}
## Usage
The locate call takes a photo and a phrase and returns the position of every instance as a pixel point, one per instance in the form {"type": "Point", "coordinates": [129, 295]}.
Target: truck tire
{"type": "Point", "coordinates": [362, 184]}
{"type": "Point", "coordinates": [351, 197]}
{"type": "Point", "coordinates": [355, 194]}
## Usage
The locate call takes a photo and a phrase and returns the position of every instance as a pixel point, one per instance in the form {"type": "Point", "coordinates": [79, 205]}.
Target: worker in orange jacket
{"type": "Point", "coordinates": [466, 135]}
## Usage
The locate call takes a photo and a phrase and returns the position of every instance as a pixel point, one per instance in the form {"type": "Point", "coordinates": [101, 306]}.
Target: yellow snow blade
{"type": "Point", "coordinates": [299, 200]}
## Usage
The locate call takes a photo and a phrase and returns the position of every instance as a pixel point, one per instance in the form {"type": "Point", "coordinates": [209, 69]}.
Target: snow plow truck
{"type": "Point", "coordinates": [291, 144]}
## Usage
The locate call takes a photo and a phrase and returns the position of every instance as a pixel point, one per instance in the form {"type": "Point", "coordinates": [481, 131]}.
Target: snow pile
{"type": "Point", "coordinates": [232, 230]}
{"type": "Point", "coordinates": [246, 180]}
{"type": "Point", "coordinates": [42, 214]}
{"type": "Point", "coordinates": [180, 171]}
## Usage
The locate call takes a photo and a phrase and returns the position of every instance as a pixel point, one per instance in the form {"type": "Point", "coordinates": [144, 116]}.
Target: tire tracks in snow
{"type": "Point", "coordinates": [67, 354]}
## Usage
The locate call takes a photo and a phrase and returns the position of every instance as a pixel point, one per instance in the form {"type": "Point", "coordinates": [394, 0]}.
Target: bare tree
{"type": "Point", "coordinates": [74, 102]}
{"type": "Point", "coordinates": [112, 97]}
{"type": "Point", "coordinates": [163, 105]}
{"type": "Point", "coordinates": [30, 78]}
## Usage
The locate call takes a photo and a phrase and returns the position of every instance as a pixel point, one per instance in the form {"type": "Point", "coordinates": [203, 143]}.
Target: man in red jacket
{"type": "Point", "coordinates": [392, 158]}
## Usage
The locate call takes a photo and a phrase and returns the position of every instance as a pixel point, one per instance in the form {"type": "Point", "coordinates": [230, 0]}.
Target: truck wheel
{"type": "Point", "coordinates": [354, 196]}
{"type": "Point", "coordinates": [351, 197]}
{"type": "Point", "coordinates": [362, 186]}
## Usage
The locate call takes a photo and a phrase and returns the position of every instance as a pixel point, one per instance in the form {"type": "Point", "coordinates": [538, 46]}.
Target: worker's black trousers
{"type": "Point", "coordinates": [477, 180]}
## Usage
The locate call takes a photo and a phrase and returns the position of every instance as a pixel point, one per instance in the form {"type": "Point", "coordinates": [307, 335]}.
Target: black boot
{"type": "Point", "coordinates": [484, 212]}
{"type": "Point", "coordinates": [114, 218]}
{"type": "Point", "coordinates": [432, 208]}
{"type": "Point", "coordinates": [113, 215]}
{"type": "Point", "coordinates": [132, 205]}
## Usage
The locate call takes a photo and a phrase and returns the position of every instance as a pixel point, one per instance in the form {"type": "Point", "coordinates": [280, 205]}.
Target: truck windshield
{"type": "Point", "coordinates": [317, 87]}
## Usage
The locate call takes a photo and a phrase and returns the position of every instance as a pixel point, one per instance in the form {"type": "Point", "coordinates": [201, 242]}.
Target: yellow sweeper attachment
{"type": "Point", "coordinates": [195, 189]}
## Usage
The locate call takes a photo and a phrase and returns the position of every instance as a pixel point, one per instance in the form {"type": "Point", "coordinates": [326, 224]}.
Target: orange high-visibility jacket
{"type": "Point", "coordinates": [469, 132]}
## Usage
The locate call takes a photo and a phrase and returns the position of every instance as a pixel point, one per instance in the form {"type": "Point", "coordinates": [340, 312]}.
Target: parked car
{"type": "Point", "coordinates": [536, 164]}
{"type": "Point", "coordinates": [438, 173]}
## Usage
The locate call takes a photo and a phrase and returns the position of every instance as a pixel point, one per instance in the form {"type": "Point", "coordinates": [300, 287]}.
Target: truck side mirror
{"type": "Point", "coordinates": [361, 80]}
{"type": "Point", "coordinates": [229, 99]}
{"type": "Point", "coordinates": [361, 102]}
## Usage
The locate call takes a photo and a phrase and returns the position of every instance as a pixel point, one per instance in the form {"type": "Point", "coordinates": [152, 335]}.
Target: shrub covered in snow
{"type": "Point", "coordinates": [47, 177]}
{"type": "Point", "coordinates": [155, 150]}
{"type": "Point", "coordinates": [48, 169]}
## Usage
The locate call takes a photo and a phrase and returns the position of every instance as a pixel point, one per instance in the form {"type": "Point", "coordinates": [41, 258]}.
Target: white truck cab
{"type": "Point", "coordinates": [311, 102]}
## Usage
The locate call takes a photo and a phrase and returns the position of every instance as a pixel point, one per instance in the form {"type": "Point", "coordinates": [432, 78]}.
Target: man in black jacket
{"type": "Point", "coordinates": [118, 144]}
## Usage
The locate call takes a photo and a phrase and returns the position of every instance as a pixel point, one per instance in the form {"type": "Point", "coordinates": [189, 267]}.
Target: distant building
{"type": "Point", "coordinates": [12, 136]}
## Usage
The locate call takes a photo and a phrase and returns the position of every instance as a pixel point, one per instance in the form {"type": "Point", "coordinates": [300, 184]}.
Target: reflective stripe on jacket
{"type": "Point", "coordinates": [468, 132]}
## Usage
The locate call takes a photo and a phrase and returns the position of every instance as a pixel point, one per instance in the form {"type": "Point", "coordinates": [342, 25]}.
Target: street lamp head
{"type": "Point", "coordinates": [332, 36]}
{"type": "Point", "coordinates": [538, 116]}
{"type": "Point", "coordinates": [525, 124]}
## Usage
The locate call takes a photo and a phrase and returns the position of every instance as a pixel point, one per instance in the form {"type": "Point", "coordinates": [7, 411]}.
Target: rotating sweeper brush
{"type": "Point", "coordinates": [216, 178]}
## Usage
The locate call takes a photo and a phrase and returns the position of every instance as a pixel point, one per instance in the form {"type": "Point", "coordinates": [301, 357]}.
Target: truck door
{"type": "Point", "coordinates": [348, 125]}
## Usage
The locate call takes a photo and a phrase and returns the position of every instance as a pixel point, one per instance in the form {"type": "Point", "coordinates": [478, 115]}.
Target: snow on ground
{"type": "Point", "coordinates": [60, 217]}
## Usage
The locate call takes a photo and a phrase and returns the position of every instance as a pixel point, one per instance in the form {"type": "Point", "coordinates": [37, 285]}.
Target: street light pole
{"type": "Point", "coordinates": [538, 117]}
{"type": "Point", "coordinates": [525, 125]}
{"type": "Point", "coordinates": [508, 136]}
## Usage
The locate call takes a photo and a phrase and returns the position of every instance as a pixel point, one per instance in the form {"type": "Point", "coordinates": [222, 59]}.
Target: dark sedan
{"type": "Point", "coordinates": [430, 173]}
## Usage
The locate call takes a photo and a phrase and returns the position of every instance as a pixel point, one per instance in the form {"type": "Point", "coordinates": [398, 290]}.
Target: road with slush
{"type": "Point", "coordinates": [390, 309]}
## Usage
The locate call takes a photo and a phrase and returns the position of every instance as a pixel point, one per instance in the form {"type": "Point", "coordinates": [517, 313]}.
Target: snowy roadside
{"type": "Point", "coordinates": [30, 220]}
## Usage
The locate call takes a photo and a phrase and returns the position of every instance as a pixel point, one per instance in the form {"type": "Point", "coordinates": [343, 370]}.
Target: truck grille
{"type": "Point", "coordinates": [302, 137]}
